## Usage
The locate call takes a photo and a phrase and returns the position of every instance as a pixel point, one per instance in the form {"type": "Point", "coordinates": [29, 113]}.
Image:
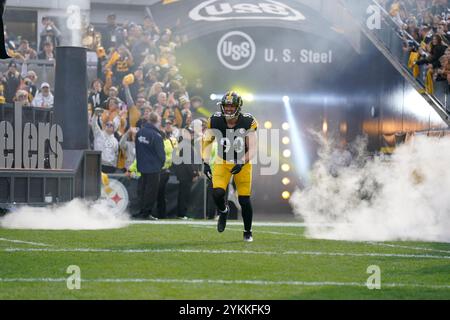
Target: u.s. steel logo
{"type": "Point", "coordinates": [236, 50]}
{"type": "Point", "coordinates": [219, 10]}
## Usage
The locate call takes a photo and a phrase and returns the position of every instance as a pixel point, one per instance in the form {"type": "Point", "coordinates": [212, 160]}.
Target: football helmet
{"type": "Point", "coordinates": [234, 99]}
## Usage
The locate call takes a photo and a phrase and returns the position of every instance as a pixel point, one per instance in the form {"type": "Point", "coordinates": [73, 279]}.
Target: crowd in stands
{"type": "Point", "coordinates": [138, 79]}
{"type": "Point", "coordinates": [425, 27]}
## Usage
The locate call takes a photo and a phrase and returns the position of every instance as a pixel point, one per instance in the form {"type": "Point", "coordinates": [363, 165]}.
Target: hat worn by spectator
{"type": "Point", "coordinates": [184, 99]}
{"type": "Point", "coordinates": [31, 73]}
{"type": "Point", "coordinates": [45, 85]}
{"type": "Point", "coordinates": [12, 64]}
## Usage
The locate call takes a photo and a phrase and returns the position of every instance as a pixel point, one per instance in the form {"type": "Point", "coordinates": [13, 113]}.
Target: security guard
{"type": "Point", "coordinates": [150, 158]}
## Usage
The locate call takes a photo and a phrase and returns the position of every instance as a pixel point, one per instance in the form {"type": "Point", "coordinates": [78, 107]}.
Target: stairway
{"type": "Point", "coordinates": [388, 41]}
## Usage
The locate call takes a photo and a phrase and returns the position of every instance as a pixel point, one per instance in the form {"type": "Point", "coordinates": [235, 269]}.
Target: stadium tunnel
{"type": "Point", "coordinates": [337, 81]}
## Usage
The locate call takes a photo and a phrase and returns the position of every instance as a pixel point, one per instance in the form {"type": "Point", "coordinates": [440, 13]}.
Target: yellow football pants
{"type": "Point", "coordinates": [222, 175]}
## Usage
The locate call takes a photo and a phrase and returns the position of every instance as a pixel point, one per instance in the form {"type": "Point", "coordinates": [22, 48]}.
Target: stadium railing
{"type": "Point", "coordinates": [393, 38]}
{"type": "Point", "coordinates": [45, 69]}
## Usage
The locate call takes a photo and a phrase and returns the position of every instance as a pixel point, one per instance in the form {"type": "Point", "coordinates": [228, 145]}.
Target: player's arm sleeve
{"type": "Point", "coordinates": [207, 141]}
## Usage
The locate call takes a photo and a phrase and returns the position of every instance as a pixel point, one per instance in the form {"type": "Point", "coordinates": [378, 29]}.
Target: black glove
{"type": "Point", "coordinates": [207, 171]}
{"type": "Point", "coordinates": [236, 169]}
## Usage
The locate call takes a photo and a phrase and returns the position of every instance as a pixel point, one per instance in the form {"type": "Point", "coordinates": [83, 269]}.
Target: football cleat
{"type": "Point", "coordinates": [222, 223]}
{"type": "Point", "coordinates": [248, 237]}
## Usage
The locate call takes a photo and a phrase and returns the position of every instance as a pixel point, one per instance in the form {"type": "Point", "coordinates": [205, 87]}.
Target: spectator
{"type": "Point", "coordinates": [25, 51]}
{"type": "Point", "coordinates": [154, 92]}
{"type": "Point", "coordinates": [113, 93]}
{"type": "Point", "coordinates": [150, 26]}
{"type": "Point", "coordinates": [186, 171]}
{"type": "Point", "coordinates": [44, 99]}
{"type": "Point", "coordinates": [186, 113]}
{"type": "Point", "coordinates": [170, 144]}
{"type": "Point", "coordinates": [128, 146]}
{"type": "Point", "coordinates": [22, 96]}
{"type": "Point", "coordinates": [150, 157]}
{"type": "Point", "coordinates": [161, 103]}
{"type": "Point", "coordinates": [11, 82]}
{"type": "Point", "coordinates": [30, 82]}
{"type": "Point", "coordinates": [122, 66]}
{"type": "Point", "coordinates": [173, 112]}
{"type": "Point", "coordinates": [146, 110]}
{"type": "Point", "coordinates": [105, 142]}
{"type": "Point", "coordinates": [47, 52]}
{"type": "Point", "coordinates": [109, 36]}
{"type": "Point", "coordinates": [437, 50]}
{"type": "Point", "coordinates": [115, 115]}
{"type": "Point", "coordinates": [91, 39]}
{"type": "Point", "coordinates": [50, 34]}
{"type": "Point", "coordinates": [135, 110]}
{"type": "Point", "coordinates": [97, 95]}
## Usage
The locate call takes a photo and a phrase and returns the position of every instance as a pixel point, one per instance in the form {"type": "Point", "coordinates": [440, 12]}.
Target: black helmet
{"type": "Point", "coordinates": [234, 99]}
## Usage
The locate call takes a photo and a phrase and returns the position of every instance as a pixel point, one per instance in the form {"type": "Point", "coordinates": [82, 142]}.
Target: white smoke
{"type": "Point", "coordinates": [403, 198]}
{"type": "Point", "coordinates": [74, 215]}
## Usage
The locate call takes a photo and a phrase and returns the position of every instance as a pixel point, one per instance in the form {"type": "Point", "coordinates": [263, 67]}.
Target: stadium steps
{"type": "Point", "coordinates": [358, 11]}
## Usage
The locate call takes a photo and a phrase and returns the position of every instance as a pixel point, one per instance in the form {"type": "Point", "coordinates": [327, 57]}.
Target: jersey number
{"type": "Point", "coordinates": [238, 144]}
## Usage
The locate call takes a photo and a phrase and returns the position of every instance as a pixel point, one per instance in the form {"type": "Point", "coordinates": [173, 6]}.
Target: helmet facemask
{"type": "Point", "coordinates": [231, 99]}
{"type": "Point", "coordinates": [230, 116]}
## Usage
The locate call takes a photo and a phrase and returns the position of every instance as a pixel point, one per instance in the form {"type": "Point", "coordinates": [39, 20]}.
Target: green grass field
{"type": "Point", "coordinates": [193, 261]}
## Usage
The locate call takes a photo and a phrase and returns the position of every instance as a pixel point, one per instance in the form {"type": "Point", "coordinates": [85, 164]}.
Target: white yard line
{"type": "Point", "coordinates": [200, 251]}
{"type": "Point", "coordinates": [213, 223]}
{"type": "Point", "coordinates": [362, 242]}
{"type": "Point", "coordinates": [407, 247]}
{"type": "Point", "coordinates": [230, 282]}
{"type": "Point", "coordinates": [26, 242]}
{"type": "Point", "coordinates": [259, 231]}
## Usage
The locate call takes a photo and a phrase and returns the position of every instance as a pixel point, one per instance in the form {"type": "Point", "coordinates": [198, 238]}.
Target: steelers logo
{"type": "Point", "coordinates": [116, 196]}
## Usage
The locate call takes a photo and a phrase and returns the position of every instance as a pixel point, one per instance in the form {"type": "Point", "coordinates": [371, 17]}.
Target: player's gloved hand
{"type": "Point", "coordinates": [207, 171]}
{"type": "Point", "coordinates": [236, 169]}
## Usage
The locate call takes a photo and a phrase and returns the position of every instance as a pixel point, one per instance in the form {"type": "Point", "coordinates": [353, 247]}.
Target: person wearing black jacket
{"type": "Point", "coordinates": [186, 171]}
{"type": "Point", "coordinates": [11, 82]}
{"type": "Point", "coordinates": [150, 158]}
{"type": "Point", "coordinates": [437, 51]}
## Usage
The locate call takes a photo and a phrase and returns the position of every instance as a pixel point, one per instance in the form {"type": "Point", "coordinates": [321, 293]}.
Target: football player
{"type": "Point", "coordinates": [235, 133]}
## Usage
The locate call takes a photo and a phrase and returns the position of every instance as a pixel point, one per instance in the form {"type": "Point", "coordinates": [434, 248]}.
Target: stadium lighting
{"type": "Point", "coordinates": [287, 153]}
{"type": "Point", "coordinates": [286, 195]}
{"type": "Point", "coordinates": [248, 97]}
{"type": "Point", "coordinates": [285, 126]}
{"type": "Point", "coordinates": [286, 140]}
{"type": "Point", "coordinates": [268, 125]}
{"type": "Point", "coordinates": [299, 154]}
{"type": "Point", "coordinates": [325, 127]}
{"type": "Point", "coordinates": [286, 181]}
{"type": "Point", "coordinates": [285, 167]}
{"type": "Point", "coordinates": [213, 96]}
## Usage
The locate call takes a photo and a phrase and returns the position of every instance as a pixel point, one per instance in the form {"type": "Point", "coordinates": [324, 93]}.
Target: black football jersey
{"type": "Point", "coordinates": [231, 141]}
